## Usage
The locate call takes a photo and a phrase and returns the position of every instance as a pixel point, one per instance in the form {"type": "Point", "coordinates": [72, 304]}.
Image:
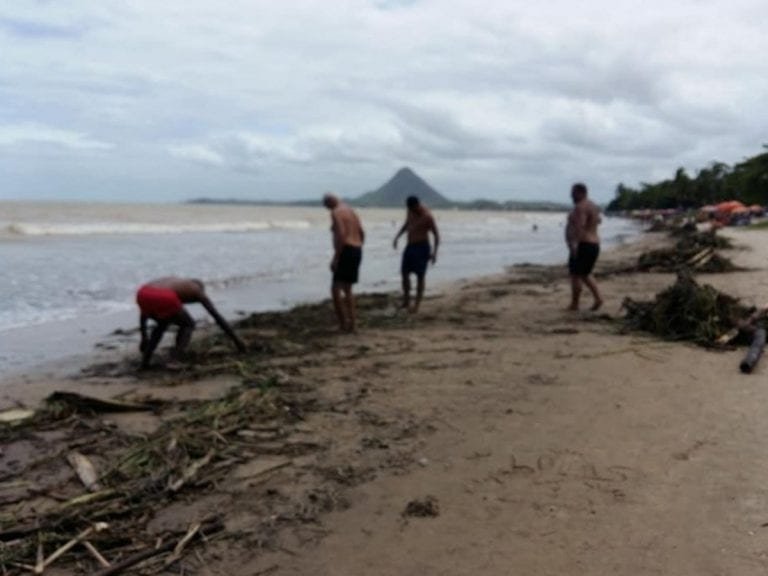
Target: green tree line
{"type": "Point", "coordinates": [746, 181]}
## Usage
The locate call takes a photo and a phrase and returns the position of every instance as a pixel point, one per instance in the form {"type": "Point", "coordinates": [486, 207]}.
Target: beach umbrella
{"type": "Point", "coordinates": [729, 206]}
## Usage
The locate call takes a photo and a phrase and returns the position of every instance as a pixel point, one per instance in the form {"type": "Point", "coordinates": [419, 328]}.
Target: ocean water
{"type": "Point", "coordinates": [77, 266]}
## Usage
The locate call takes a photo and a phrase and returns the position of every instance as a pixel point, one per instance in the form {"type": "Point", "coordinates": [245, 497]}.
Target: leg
{"type": "Point", "coordinates": [186, 325]}
{"type": "Point", "coordinates": [351, 312]}
{"type": "Point", "coordinates": [406, 290]}
{"type": "Point", "coordinates": [419, 292]}
{"type": "Point", "coordinates": [152, 343]}
{"type": "Point", "coordinates": [575, 292]}
{"type": "Point", "coordinates": [338, 305]}
{"type": "Point", "coordinates": [592, 285]}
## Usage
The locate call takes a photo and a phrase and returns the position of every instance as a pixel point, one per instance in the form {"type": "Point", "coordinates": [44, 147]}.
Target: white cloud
{"type": "Point", "coordinates": [31, 133]}
{"type": "Point", "coordinates": [520, 94]}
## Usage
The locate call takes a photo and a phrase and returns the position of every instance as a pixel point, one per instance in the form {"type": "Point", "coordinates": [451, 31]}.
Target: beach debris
{"type": "Point", "coordinates": [685, 311]}
{"type": "Point", "coordinates": [85, 469]}
{"type": "Point", "coordinates": [190, 472]}
{"type": "Point", "coordinates": [426, 507]}
{"type": "Point", "coordinates": [14, 415]}
{"type": "Point", "coordinates": [755, 351]}
{"type": "Point", "coordinates": [43, 564]}
{"type": "Point", "coordinates": [259, 467]}
{"type": "Point", "coordinates": [693, 249]}
{"type": "Point", "coordinates": [82, 403]}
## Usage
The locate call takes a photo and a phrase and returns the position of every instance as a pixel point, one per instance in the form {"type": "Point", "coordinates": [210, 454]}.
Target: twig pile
{"type": "Point", "coordinates": [107, 519]}
{"type": "Point", "coordinates": [694, 250]}
{"type": "Point", "coordinates": [686, 311]}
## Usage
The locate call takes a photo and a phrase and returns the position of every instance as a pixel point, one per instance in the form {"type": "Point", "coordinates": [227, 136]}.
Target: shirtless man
{"type": "Point", "coordinates": [163, 300]}
{"type": "Point", "coordinates": [583, 245]}
{"type": "Point", "coordinates": [348, 239]}
{"type": "Point", "coordinates": [418, 253]}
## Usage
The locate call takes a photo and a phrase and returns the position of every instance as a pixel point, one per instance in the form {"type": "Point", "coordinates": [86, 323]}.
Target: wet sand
{"type": "Point", "coordinates": [547, 442]}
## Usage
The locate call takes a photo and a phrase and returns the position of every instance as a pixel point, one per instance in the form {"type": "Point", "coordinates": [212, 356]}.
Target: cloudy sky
{"type": "Point", "coordinates": [166, 100]}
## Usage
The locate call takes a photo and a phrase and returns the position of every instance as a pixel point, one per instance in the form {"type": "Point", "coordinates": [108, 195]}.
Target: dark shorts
{"type": "Point", "coordinates": [584, 261]}
{"type": "Point", "coordinates": [349, 265]}
{"type": "Point", "coordinates": [416, 258]}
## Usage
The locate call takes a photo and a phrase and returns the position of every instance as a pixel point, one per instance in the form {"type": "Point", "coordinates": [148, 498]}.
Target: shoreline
{"type": "Point", "coordinates": [62, 346]}
{"type": "Point", "coordinates": [115, 343]}
{"type": "Point", "coordinates": [492, 430]}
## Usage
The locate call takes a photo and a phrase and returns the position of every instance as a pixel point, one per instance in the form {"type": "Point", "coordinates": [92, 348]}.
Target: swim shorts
{"type": "Point", "coordinates": [584, 261]}
{"type": "Point", "coordinates": [348, 266]}
{"type": "Point", "coordinates": [415, 258]}
{"type": "Point", "coordinates": [158, 303]}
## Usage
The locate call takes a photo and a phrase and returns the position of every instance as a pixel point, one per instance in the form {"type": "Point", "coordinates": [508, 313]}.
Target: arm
{"type": "Point", "coordinates": [403, 228]}
{"type": "Point", "coordinates": [579, 225]}
{"type": "Point", "coordinates": [436, 235]}
{"type": "Point", "coordinates": [338, 239]}
{"type": "Point", "coordinates": [223, 324]}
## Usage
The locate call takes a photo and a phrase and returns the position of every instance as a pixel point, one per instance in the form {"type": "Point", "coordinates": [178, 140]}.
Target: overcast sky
{"type": "Point", "coordinates": [263, 99]}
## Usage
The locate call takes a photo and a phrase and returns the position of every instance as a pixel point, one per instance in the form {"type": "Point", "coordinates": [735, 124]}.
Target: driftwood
{"type": "Point", "coordinates": [85, 469]}
{"type": "Point", "coordinates": [92, 404]}
{"type": "Point", "coordinates": [754, 352]}
{"type": "Point", "coordinates": [177, 546]}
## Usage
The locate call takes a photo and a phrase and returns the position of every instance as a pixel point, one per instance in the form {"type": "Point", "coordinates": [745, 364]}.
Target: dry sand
{"type": "Point", "coordinates": [548, 442]}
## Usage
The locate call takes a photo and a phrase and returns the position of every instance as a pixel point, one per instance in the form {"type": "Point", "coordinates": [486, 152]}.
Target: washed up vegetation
{"type": "Point", "coordinates": [687, 311]}
{"type": "Point", "coordinates": [100, 513]}
{"type": "Point", "coordinates": [79, 493]}
{"type": "Point", "coordinates": [693, 249]}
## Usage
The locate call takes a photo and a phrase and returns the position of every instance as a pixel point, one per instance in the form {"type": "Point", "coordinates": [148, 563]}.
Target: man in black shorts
{"type": "Point", "coordinates": [583, 245]}
{"type": "Point", "coordinates": [348, 238]}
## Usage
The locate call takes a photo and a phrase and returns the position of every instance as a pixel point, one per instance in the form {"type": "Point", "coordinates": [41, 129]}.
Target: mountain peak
{"type": "Point", "coordinates": [397, 189]}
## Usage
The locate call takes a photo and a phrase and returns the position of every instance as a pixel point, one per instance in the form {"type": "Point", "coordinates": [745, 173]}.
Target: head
{"type": "Point", "coordinates": [330, 201]}
{"type": "Point", "coordinates": [578, 192]}
{"type": "Point", "coordinates": [199, 284]}
{"type": "Point", "coordinates": [412, 202]}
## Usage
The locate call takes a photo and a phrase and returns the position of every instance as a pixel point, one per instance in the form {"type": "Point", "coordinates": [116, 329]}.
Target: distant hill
{"type": "Point", "coordinates": [394, 192]}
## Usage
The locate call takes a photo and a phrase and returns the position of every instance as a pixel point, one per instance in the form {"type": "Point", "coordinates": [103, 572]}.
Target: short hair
{"type": "Point", "coordinates": [330, 200]}
{"type": "Point", "coordinates": [412, 201]}
{"type": "Point", "coordinates": [579, 188]}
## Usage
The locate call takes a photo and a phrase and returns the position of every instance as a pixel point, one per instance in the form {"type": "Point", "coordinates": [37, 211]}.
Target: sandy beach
{"type": "Point", "coordinates": [494, 433]}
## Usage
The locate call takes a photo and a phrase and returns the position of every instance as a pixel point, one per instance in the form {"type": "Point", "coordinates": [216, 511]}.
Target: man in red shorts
{"type": "Point", "coordinates": [163, 300]}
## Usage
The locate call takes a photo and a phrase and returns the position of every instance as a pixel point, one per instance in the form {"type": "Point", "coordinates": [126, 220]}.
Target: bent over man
{"type": "Point", "coordinates": [419, 223]}
{"type": "Point", "coordinates": [163, 300]}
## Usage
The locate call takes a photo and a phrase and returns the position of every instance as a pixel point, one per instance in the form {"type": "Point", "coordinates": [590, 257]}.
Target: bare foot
{"type": "Point", "coordinates": [572, 308]}
{"type": "Point", "coordinates": [597, 305]}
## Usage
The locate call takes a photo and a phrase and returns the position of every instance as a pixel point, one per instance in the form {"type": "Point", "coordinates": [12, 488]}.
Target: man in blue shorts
{"type": "Point", "coordinates": [418, 253]}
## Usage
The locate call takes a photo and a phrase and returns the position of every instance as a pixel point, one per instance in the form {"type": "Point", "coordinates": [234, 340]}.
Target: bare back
{"type": "Point", "coordinates": [419, 224]}
{"type": "Point", "coordinates": [347, 229]}
{"type": "Point", "coordinates": [187, 289]}
{"type": "Point", "coordinates": [584, 221]}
